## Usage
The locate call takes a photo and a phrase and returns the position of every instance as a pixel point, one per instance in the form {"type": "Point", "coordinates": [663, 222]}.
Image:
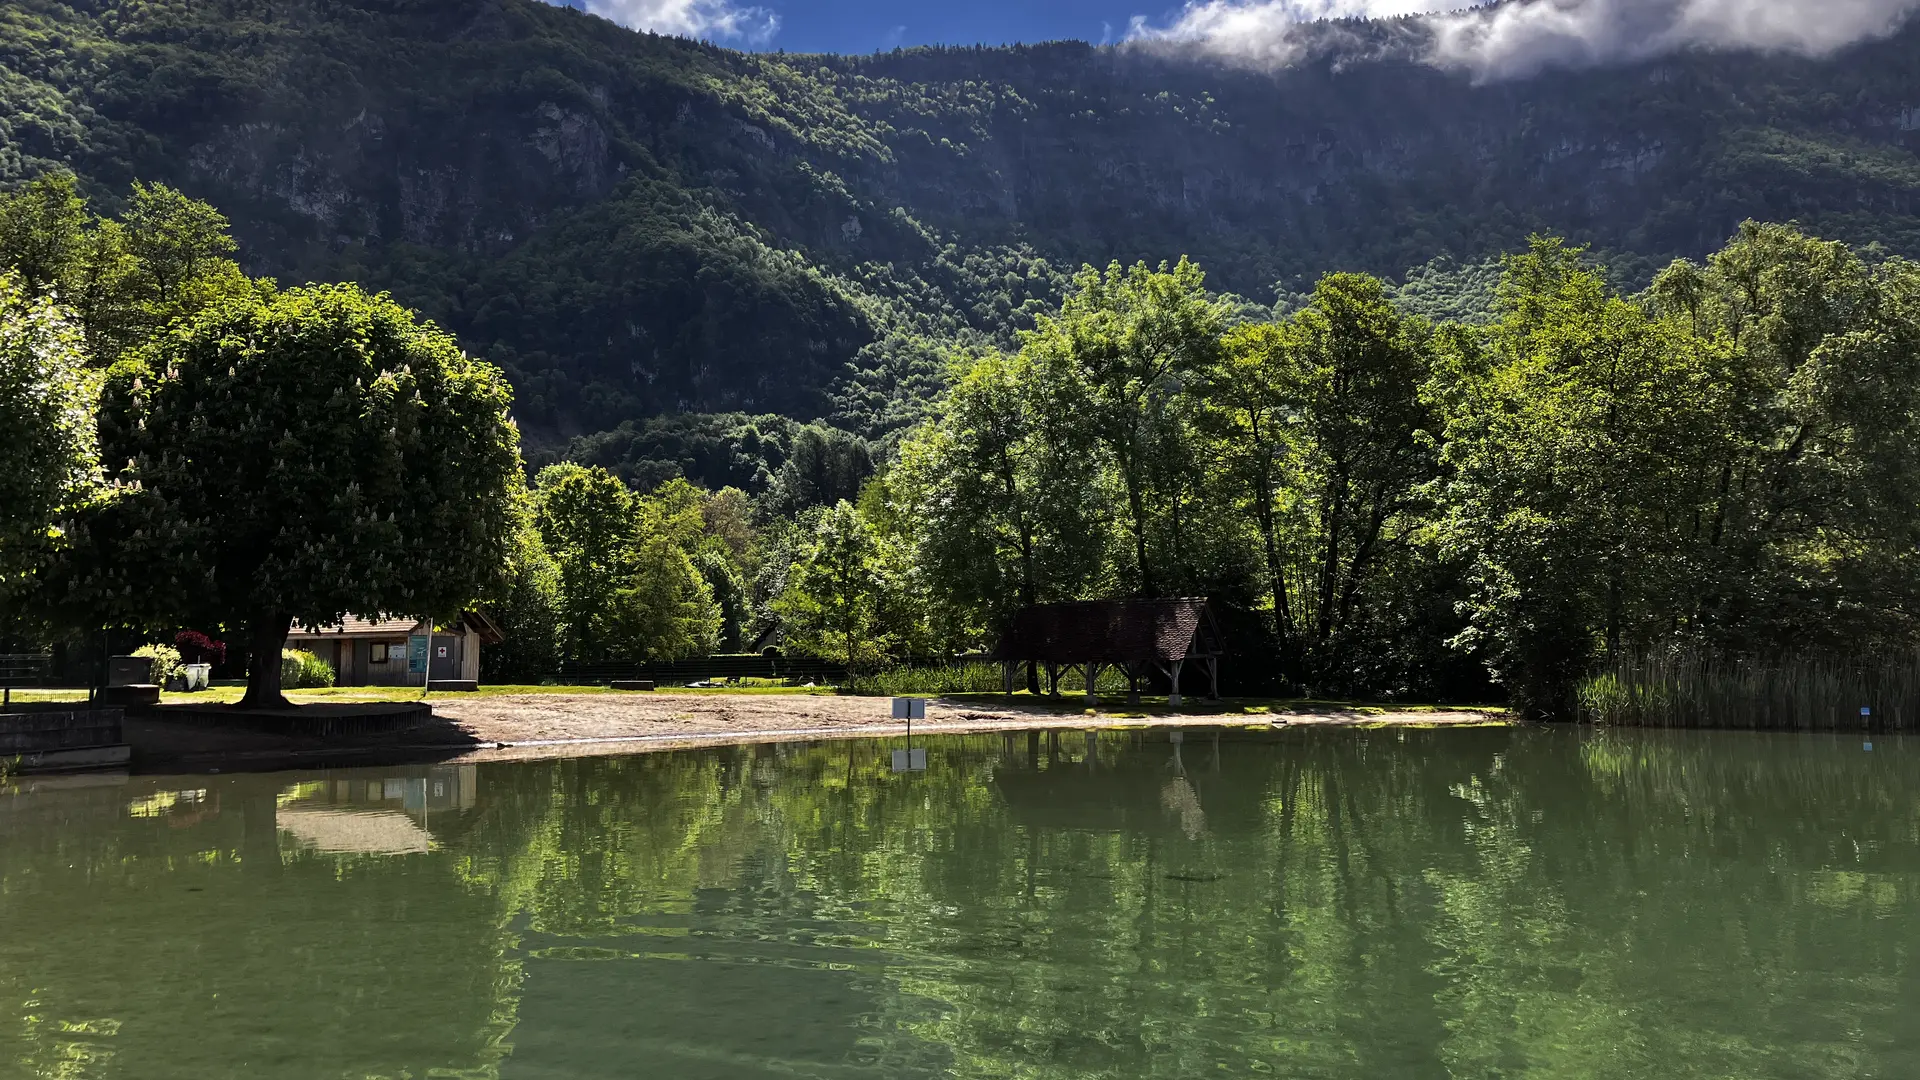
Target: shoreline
{"type": "Point", "coordinates": [526, 727]}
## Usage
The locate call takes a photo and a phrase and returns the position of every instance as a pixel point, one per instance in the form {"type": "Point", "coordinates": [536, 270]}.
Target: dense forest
{"type": "Point", "coordinates": [1381, 504]}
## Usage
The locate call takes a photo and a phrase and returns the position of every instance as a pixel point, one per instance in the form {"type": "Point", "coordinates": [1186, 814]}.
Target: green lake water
{"type": "Point", "coordinates": [1336, 903]}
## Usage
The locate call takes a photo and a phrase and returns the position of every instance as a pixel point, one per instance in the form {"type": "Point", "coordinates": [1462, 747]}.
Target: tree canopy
{"type": "Point", "coordinates": [297, 456]}
{"type": "Point", "coordinates": [49, 462]}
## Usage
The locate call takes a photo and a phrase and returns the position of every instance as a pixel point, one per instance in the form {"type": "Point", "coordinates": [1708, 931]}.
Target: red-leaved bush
{"type": "Point", "coordinates": [197, 648]}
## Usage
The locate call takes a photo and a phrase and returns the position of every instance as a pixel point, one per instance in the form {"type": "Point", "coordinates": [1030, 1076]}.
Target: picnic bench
{"type": "Point", "coordinates": [21, 669]}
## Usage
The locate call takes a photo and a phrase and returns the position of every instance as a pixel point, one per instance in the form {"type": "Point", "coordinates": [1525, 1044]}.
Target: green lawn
{"type": "Point", "coordinates": [229, 694]}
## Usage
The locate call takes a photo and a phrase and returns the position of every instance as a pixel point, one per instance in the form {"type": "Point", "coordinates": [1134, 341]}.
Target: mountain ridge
{"type": "Point", "coordinates": [633, 225]}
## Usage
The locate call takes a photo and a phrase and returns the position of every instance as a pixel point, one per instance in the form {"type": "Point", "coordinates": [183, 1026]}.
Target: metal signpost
{"type": "Point", "coordinates": [417, 657]}
{"type": "Point", "coordinates": [911, 759]}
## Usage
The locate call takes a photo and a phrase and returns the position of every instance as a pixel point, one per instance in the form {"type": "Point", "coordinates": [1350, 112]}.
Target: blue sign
{"type": "Point", "coordinates": [417, 654]}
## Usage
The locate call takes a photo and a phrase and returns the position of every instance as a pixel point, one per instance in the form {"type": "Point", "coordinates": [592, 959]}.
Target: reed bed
{"type": "Point", "coordinates": [1694, 690]}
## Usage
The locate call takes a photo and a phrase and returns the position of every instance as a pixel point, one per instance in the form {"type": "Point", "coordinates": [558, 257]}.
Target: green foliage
{"type": "Point", "coordinates": [529, 611]}
{"type": "Point", "coordinates": [1690, 687]}
{"type": "Point", "coordinates": [296, 457]}
{"type": "Point", "coordinates": [302, 670]}
{"type": "Point", "coordinates": [1136, 445]}
{"type": "Point", "coordinates": [629, 588]}
{"type": "Point", "coordinates": [1130, 339]}
{"type": "Point", "coordinates": [1349, 379]}
{"type": "Point", "coordinates": [1729, 464]}
{"type": "Point", "coordinates": [1445, 290]}
{"type": "Point", "coordinates": [712, 450]}
{"type": "Point", "coordinates": [1001, 489]}
{"type": "Point", "coordinates": [667, 609]}
{"type": "Point", "coordinates": [835, 598]}
{"type": "Point", "coordinates": [585, 518]}
{"type": "Point", "coordinates": [823, 467]}
{"type": "Point", "coordinates": [49, 467]}
{"type": "Point", "coordinates": [929, 679]}
{"type": "Point", "coordinates": [166, 662]}
{"type": "Point", "coordinates": [168, 256]}
{"type": "Point", "coordinates": [729, 590]}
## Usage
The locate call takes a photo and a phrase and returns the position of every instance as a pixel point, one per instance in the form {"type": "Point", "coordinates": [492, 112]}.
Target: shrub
{"type": "Point", "coordinates": [301, 670]}
{"type": "Point", "coordinates": [166, 661]}
{"type": "Point", "coordinates": [198, 648]}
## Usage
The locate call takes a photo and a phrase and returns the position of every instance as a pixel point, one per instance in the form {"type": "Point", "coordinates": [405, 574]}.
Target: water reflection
{"type": "Point", "coordinates": [385, 815]}
{"type": "Point", "coordinates": [1335, 903]}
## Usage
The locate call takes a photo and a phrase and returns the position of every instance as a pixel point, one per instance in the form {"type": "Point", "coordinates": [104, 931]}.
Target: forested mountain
{"type": "Point", "coordinates": [633, 225]}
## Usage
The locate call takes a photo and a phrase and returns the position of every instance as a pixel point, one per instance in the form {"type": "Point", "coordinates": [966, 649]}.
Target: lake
{"type": "Point", "coordinates": [1307, 903]}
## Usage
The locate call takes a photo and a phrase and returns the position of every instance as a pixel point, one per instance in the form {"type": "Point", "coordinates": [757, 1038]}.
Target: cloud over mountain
{"type": "Point", "coordinates": [1521, 37]}
{"type": "Point", "coordinates": [718, 20]}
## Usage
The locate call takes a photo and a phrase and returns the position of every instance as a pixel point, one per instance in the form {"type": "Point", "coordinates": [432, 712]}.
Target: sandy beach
{"type": "Point", "coordinates": [550, 724]}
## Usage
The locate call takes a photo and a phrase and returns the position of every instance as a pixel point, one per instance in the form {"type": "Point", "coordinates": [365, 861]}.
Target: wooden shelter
{"type": "Point", "coordinates": [1137, 637]}
{"type": "Point", "coordinates": [373, 652]}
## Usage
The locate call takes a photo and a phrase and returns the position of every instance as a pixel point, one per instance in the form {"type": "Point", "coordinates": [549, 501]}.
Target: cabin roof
{"type": "Point", "coordinates": [353, 626]}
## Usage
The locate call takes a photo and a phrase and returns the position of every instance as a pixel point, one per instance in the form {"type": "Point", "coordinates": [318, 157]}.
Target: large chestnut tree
{"type": "Point", "coordinates": [293, 456]}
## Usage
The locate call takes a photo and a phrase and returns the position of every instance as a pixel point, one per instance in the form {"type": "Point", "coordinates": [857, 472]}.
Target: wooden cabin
{"type": "Point", "coordinates": [373, 652]}
{"type": "Point", "coordinates": [1137, 637]}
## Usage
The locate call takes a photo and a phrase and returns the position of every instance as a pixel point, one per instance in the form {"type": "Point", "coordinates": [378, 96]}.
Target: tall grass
{"type": "Point", "coordinates": [1695, 690]}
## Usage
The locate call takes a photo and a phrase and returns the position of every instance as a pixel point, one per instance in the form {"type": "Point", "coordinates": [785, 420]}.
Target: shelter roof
{"type": "Point", "coordinates": [489, 631]}
{"type": "Point", "coordinates": [1111, 631]}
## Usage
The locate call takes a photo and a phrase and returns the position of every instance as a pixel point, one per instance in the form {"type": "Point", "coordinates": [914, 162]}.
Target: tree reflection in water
{"type": "Point", "coordinates": [1494, 902]}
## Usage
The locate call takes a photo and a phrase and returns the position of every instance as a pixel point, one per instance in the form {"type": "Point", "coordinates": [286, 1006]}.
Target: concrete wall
{"type": "Point", "coordinates": [36, 730]}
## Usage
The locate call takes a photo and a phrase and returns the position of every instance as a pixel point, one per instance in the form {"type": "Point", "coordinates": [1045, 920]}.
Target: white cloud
{"type": "Point", "coordinates": [1257, 33]}
{"type": "Point", "coordinates": [719, 20]}
{"type": "Point", "coordinates": [1520, 37]}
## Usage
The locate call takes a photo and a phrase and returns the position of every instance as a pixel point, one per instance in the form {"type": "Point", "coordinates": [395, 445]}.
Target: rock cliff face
{"type": "Point", "coordinates": [633, 224]}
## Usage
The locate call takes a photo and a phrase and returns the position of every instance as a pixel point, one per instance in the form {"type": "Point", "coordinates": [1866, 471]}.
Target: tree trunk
{"type": "Point", "coordinates": [1333, 512]}
{"type": "Point", "coordinates": [266, 637]}
{"type": "Point", "coordinates": [1137, 515]}
{"type": "Point", "coordinates": [1276, 572]}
